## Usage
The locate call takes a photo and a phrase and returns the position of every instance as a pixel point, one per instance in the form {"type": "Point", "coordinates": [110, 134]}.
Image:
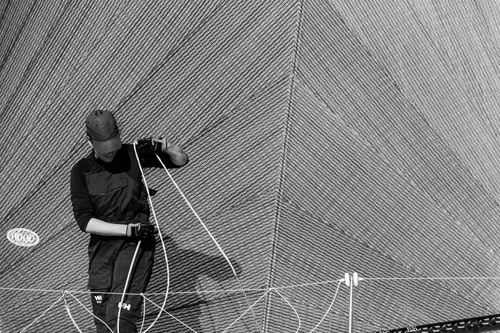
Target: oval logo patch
{"type": "Point", "coordinates": [23, 237]}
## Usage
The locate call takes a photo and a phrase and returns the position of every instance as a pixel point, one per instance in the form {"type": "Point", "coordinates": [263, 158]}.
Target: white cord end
{"type": "Point", "coordinates": [355, 279]}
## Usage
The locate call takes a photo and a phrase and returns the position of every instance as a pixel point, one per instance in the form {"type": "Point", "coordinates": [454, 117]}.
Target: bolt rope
{"type": "Point", "coordinates": [429, 278]}
{"type": "Point", "coordinates": [255, 289]}
{"type": "Point", "coordinates": [159, 232]}
{"type": "Point", "coordinates": [180, 321]}
{"type": "Point", "coordinates": [70, 293]}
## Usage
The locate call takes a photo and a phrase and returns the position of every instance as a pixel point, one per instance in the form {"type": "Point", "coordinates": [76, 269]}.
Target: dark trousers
{"type": "Point", "coordinates": [110, 260]}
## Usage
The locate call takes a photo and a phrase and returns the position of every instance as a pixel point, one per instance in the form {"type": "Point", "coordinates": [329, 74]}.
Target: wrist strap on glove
{"type": "Point", "coordinates": [152, 145]}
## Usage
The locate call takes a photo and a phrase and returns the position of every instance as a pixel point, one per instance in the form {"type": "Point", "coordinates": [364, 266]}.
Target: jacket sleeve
{"type": "Point", "coordinates": [83, 209]}
{"type": "Point", "coordinates": [151, 161]}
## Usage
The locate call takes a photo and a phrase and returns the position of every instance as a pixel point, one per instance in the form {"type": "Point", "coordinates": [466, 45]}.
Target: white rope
{"type": "Point", "coordinates": [210, 234]}
{"type": "Point", "coordinates": [252, 289]}
{"type": "Point", "coordinates": [296, 313]}
{"type": "Point", "coordinates": [171, 315]}
{"type": "Point", "coordinates": [329, 308]}
{"type": "Point", "coordinates": [308, 284]}
{"type": "Point", "coordinates": [131, 268]}
{"type": "Point", "coordinates": [71, 292]}
{"type": "Point", "coordinates": [210, 291]}
{"type": "Point", "coordinates": [143, 312]}
{"type": "Point", "coordinates": [234, 322]}
{"type": "Point", "coordinates": [40, 316]}
{"type": "Point", "coordinates": [159, 232]}
{"type": "Point", "coordinates": [66, 305]}
{"type": "Point", "coordinates": [170, 293]}
{"type": "Point", "coordinates": [430, 278]}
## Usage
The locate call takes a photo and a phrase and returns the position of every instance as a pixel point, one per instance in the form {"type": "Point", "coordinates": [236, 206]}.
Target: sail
{"type": "Point", "coordinates": [325, 137]}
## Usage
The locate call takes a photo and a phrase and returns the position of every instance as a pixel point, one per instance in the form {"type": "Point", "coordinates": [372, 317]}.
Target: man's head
{"type": "Point", "coordinates": [103, 134]}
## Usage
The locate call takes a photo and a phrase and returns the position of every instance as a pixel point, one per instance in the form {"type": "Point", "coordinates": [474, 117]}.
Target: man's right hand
{"type": "Point", "coordinates": [140, 231]}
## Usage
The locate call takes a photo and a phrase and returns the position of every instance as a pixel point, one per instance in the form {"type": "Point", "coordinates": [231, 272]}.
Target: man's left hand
{"type": "Point", "coordinates": [140, 231]}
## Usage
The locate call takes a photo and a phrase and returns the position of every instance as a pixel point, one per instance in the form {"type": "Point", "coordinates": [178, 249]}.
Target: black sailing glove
{"type": "Point", "coordinates": [152, 145]}
{"type": "Point", "coordinates": [140, 231]}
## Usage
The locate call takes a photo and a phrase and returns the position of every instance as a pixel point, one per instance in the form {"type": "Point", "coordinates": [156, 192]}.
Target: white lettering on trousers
{"type": "Point", "coordinates": [124, 306]}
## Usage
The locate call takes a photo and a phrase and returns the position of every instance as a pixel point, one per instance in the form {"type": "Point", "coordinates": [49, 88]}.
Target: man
{"type": "Point", "coordinates": [110, 202]}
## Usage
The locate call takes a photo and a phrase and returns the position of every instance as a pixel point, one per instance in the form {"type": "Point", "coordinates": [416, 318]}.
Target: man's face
{"type": "Point", "coordinates": [106, 151]}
